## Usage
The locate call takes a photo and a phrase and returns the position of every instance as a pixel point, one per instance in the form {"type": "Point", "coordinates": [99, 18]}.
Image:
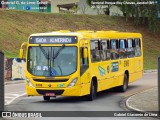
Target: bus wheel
{"type": "Point", "coordinates": [124, 87]}
{"type": "Point", "coordinates": [46, 98]}
{"type": "Point", "coordinates": [93, 92]}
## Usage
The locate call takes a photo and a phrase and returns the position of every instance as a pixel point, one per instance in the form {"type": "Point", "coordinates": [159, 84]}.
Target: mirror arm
{"type": "Point", "coordinates": [23, 44]}
{"type": "Point", "coordinates": [21, 50]}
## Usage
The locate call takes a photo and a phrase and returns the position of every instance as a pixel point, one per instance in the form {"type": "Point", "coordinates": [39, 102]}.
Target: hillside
{"type": "Point", "coordinates": [16, 26]}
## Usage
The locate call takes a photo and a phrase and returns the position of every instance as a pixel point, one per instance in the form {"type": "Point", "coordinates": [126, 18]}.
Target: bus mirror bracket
{"type": "Point", "coordinates": [85, 54]}
{"type": "Point", "coordinates": [21, 52]}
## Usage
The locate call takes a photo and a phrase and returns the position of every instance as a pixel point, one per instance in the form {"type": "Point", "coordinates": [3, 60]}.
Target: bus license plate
{"type": "Point", "coordinates": [49, 94]}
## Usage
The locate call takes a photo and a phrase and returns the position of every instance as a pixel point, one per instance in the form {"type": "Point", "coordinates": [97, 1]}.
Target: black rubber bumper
{"type": "Point", "coordinates": [56, 92]}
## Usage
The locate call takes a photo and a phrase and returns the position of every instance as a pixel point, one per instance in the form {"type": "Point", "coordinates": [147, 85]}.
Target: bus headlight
{"type": "Point", "coordinates": [71, 84]}
{"type": "Point", "coordinates": [29, 82]}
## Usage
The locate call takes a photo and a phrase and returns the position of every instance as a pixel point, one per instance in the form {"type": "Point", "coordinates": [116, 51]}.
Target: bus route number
{"type": "Point", "coordinates": [126, 63]}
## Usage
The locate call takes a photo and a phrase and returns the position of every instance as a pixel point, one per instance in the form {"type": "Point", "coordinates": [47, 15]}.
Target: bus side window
{"type": "Point", "coordinates": [114, 49]}
{"type": "Point", "coordinates": [137, 47]}
{"type": "Point", "coordinates": [105, 50]}
{"type": "Point", "coordinates": [95, 50]}
{"type": "Point", "coordinates": [122, 49]}
{"type": "Point", "coordinates": [130, 48]}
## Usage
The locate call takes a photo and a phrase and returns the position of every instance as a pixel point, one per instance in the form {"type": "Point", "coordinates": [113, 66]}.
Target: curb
{"type": "Point", "coordinates": [130, 107]}
{"type": "Point", "coordinates": [128, 99]}
{"type": "Point", "coordinates": [150, 71]}
{"type": "Point", "coordinates": [14, 82]}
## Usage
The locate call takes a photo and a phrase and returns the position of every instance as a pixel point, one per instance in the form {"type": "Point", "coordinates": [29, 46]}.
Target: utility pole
{"type": "Point", "coordinates": [1, 83]}
{"type": "Point", "coordinates": [158, 86]}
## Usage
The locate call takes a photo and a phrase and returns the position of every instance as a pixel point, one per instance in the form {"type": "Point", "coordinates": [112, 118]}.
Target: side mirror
{"type": "Point", "coordinates": [21, 53]}
{"type": "Point", "coordinates": [85, 53]}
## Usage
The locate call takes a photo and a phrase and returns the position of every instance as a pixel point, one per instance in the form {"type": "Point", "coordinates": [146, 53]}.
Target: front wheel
{"type": "Point", "coordinates": [93, 92]}
{"type": "Point", "coordinates": [46, 98]}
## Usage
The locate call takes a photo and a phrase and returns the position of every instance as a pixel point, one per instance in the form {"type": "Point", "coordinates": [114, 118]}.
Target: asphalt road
{"type": "Point", "coordinates": [14, 91]}
{"type": "Point", "coordinates": [108, 100]}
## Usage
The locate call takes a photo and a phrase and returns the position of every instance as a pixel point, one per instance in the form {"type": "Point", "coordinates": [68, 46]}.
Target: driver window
{"type": "Point", "coordinates": [84, 61]}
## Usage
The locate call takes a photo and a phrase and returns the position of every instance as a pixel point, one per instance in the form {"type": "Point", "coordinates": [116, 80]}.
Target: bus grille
{"type": "Point", "coordinates": [56, 92]}
{"type": "Point", "coordinates": [42, 80]}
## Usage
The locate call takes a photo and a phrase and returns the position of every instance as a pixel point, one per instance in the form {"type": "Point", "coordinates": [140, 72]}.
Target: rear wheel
{"type": "Point", "coordinates": [124, 87]}
{"type": "Point", "coordinates": [93, 92]}
{"type": "Point", "coordinates": [46, 98]}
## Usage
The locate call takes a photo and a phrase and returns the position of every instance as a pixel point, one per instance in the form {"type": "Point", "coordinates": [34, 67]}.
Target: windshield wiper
{"type": "Point", "coordinates": [54, 56]}
{"type": "Point", "coordinates": [57, 53]}
{"type": "Point", "coordinates": [47, 57]}
{"type": "Point", "coordinates": [44, 52]}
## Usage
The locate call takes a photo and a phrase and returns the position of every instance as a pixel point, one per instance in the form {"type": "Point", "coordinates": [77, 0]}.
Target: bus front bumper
{"type": "Point", "coordinates": [73, 91]}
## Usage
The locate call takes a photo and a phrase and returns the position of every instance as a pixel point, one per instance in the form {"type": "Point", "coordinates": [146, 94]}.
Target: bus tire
{"type": "Point", "coordinates": [93, 92]}
{"type": "Point", "coordinates": [124, 87]}
{"type": "Point", "coordinates": [46, 98]}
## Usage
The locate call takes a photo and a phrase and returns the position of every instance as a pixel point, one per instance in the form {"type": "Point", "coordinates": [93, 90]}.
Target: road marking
{"type": "Point", "coordinates": [8, 97]}
{"type": "Point", "coordinates": [12, 97]}
{"type": "Point", "coordinates": [14, 92]}
{"type": "Point", "coordinates": [15, 95]}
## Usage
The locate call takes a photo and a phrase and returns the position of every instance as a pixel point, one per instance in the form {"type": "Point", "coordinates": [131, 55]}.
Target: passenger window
{"type": "Point", "coordinates": [95, 50]}
{"type": "Point", "coordinates": [137, 47]}
{"type": "Point", "coordinates": [105, 50]}
{"type": "Point", "coordinates": [114, 49]}
{"type": "Point", "coordinates": [130, 49]}
{"type": "Point", "coordinates": [122, 49]}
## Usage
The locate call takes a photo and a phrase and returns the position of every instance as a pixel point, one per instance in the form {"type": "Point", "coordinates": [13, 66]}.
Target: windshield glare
{"type": "Point", "coordinates": [42, 61]}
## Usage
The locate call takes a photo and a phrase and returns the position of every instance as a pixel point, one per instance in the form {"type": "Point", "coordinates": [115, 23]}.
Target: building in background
{"type": "Point", "coordinates": [72, 6]}
{"type": "Point", "coordinates": [59, 6]}
{"type": "Point", "coordinates": [30, 5]}
{"type": "Point", "coordinates": [80, 7]}
{"type": "Point", "coordinates": [63, 6]}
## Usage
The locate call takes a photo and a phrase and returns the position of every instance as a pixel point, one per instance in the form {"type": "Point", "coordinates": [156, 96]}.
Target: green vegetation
{"type": "Point", "coordinates": [16, 26]}
{"type": "Point", "coordinates": [142, 14]}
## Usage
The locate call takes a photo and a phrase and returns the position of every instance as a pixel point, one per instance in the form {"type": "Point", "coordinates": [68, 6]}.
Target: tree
{"type": "Point", "coordinates": [143, 14]}
{"type": "Point", "coordinates": [83, 6]}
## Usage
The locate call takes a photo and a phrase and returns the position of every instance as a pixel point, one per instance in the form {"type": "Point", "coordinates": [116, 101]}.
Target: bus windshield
{"type": "Point", "coordinates": [52, 61]}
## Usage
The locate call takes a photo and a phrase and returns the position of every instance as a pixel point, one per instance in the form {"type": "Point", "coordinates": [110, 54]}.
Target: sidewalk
{"type": "Point", "coordinates": [145, 101]}
{"type": "Point", "coordinates": [150, 71]}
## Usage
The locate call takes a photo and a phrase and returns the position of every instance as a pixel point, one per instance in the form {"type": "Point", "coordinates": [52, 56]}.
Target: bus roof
{"type": "Point", "coordinates": [90, 34]}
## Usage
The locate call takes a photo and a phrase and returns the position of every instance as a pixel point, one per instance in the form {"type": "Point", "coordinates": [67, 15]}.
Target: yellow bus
{"type": "Point", "coordinates": [81, 63]}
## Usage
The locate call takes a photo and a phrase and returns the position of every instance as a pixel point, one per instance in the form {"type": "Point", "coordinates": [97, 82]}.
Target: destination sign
{"type": "Point", "coordinates": [53, 40]}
